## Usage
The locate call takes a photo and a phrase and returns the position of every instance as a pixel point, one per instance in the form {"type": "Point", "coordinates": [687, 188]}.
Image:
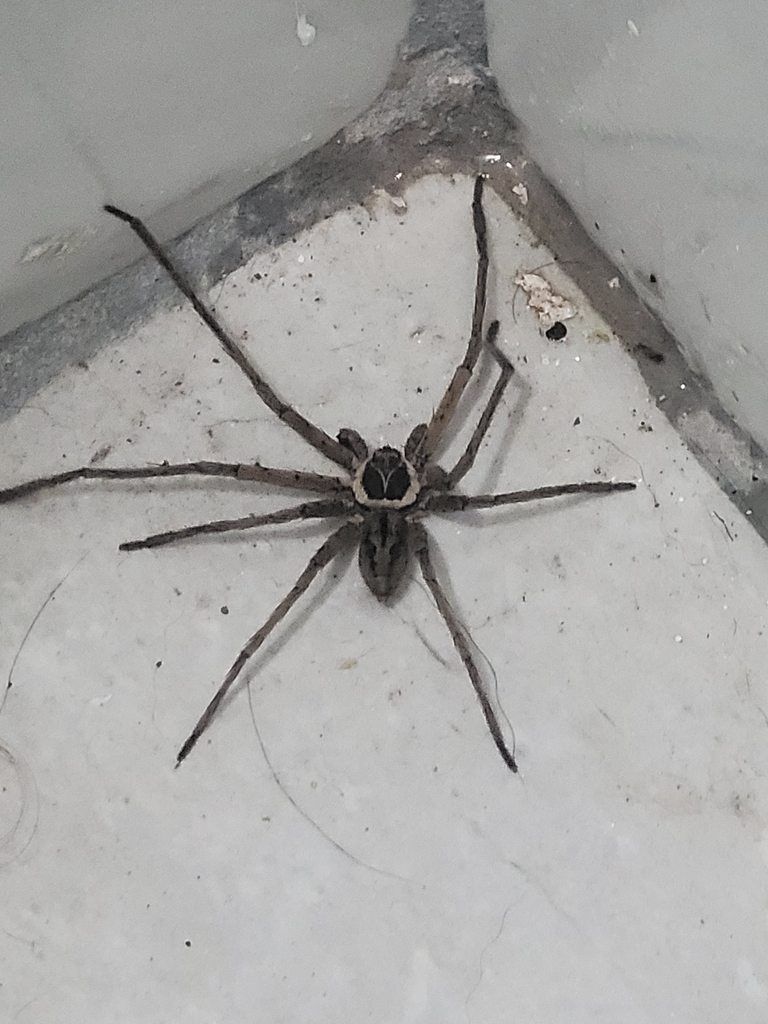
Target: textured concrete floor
{"type": "Point", "coordinates": [382, 864]}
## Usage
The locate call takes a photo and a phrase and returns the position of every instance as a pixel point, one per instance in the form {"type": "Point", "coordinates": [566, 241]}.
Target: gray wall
{"type": "Point", "coordinates": [174, 106]}
{"type": "Point", "coordinates": [652, 120]}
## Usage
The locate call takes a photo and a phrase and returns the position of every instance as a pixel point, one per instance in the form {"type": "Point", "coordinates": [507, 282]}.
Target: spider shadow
{"type": "Point", "coordinates": [499, 440]}
{"type": "Point", "coordinates": [515, 416]}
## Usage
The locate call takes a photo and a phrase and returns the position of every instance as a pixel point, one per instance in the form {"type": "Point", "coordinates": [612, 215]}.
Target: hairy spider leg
{"type": "Point", "coordinates": [292, 478]}
{"type": "Point", "coordinates": [459, 502]}
{"type": "Point", "coordinates": [312, 434]}
{"type": "Point", "coordinates": [444, 412]}
{"type": "Point", "coordinates": [460, 642]}
{"type": "Point", "coordinates": [308, 510]}
{"type": "Point", "coordinates": [324, 554]}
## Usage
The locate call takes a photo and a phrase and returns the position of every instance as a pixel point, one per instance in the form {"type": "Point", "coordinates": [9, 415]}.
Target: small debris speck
{"type": "Point", "coordinates": [224, 610]}
{"type": "Point", "coordinates": [557, 331]}
{"type": "Point", "coordinates": [305, 31]}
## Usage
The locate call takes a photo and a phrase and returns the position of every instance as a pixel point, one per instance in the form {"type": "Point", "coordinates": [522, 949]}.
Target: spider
{"type": "Point", "coordinates": [381, 500]}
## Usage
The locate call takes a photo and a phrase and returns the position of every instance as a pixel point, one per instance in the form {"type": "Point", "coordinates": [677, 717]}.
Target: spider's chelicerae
{"type": "Point", "coordinates": [382, 499]}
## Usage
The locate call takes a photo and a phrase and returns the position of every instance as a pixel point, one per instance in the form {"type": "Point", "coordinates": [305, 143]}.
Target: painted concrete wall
{"type": "Point", "coordinates": [652, 120]}
{"type": "Point", "coordinates": [178, 106]}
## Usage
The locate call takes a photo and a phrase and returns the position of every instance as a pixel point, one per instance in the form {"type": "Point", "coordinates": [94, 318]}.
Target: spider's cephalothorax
{"type": "Point", "coordinates": [385, 479]}
{"type": "Point", "coordinates": [384, 485]}
{"type": "Point", "coordinates": [382, 503]}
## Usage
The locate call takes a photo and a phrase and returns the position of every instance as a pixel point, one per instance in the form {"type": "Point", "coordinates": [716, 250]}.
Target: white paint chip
{"type": "Point", "coordinates": [397, 203]}
{"type": "Point", "coordinates": [548, 306]}
{"type": "Point", "coordinates": [305, 32]}
{"type": "Point", "coordinates": [55, 247]}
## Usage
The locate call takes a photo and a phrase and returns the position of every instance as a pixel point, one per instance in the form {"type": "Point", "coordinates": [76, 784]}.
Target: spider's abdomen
{"type": "Point", "coordinates": [384, 552]}
{"type": "Point", "coordinates": [386, 480]}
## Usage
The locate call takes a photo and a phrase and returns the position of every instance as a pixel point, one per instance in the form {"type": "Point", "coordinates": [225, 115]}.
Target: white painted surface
{"type": "Point", "coordinates": [622, 877]}
{"type": "Point", "coordinates": [148, 105]}
{"type": "Point", "coordinates": [651, 120]}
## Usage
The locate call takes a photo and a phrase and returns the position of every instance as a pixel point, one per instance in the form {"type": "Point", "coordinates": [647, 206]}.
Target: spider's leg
{"type": "Point", "coordinates": [460, 642]}
{"type": "Point", "coordinates": [309, 510]}
{"type": "Point", "coordinates": [239, 471]}
{"type": "Point", "coordinates": [458, 502]}
{"type": "Point", "coordinates": [443, 414]}
{"type": "Point", "coordinates": [324, 554]}
{"type": "Point", "coordinates": [312, 434]}
{"type": "Point", "coordinates": [466, 461]}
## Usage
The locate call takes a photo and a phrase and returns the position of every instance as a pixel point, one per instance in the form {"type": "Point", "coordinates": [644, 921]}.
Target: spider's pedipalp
{"type": "Point", "coordinates": [413, 445]}
{"type": "Point", "coordinates": [352, 440]}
